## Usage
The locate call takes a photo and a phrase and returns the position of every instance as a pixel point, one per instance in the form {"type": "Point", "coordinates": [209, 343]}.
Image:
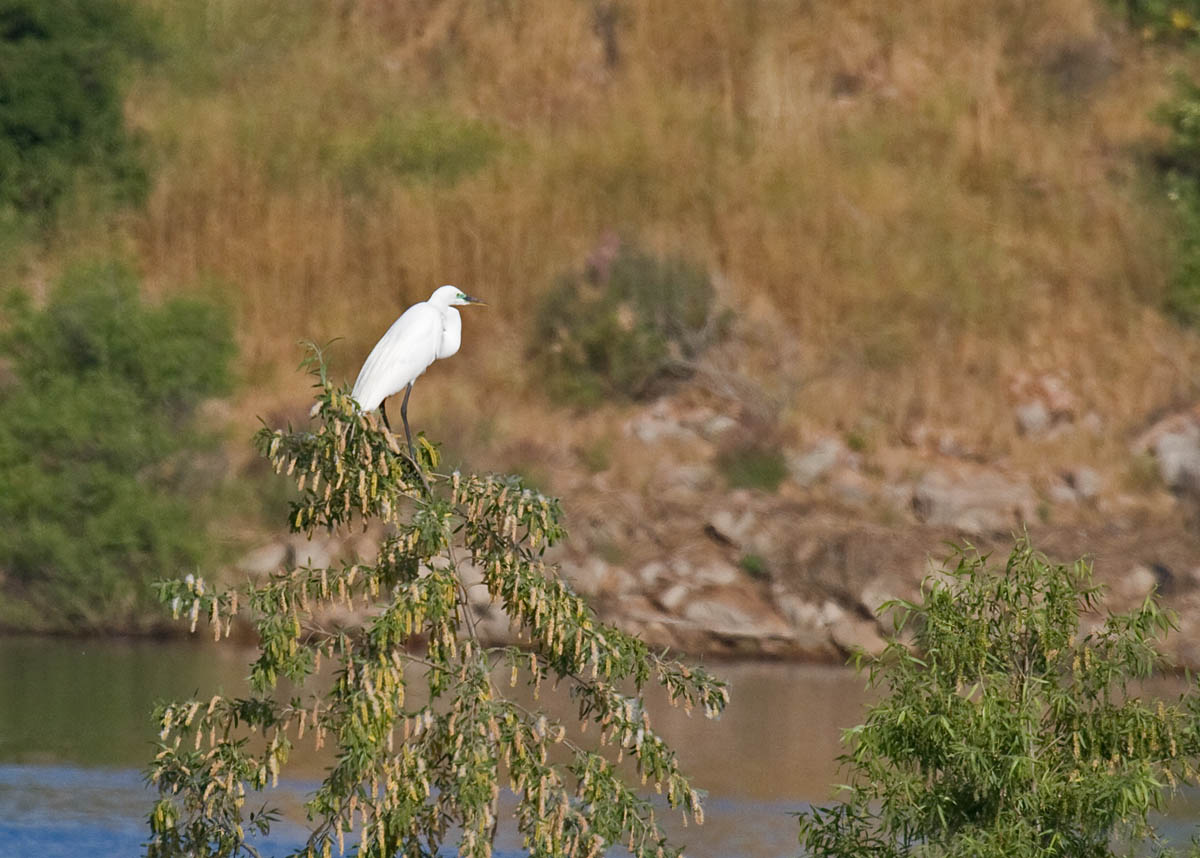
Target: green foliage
{"type": "Point", "coordinates": [1181, 160]}
{"type": "Point", "coordinates": [1162, 19]}
{"type": "Point", "coordinates": [1009, 729]}
{"type": "Point", "coordinates": [753, 466]}
{"type": "Point", "coordinates": [755, 565]}
{"type": "Point", "coordinates": [420, 723]}
{"type": "Point", "coordinates": [95, 436]}
{"type": "Point", "coordinates": [421, 146]}
{"type": "Point", "coordinates": [624, 326]}
{"type": "Point", "coordinates": [61, 114]}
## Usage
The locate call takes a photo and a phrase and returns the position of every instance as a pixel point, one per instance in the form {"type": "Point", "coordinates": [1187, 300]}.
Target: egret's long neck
{"type": "Point", "coordinates": [451, 332]}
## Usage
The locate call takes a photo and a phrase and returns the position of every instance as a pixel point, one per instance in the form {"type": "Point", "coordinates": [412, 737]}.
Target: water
{"type": "Point", "coordinates": [75, 735]}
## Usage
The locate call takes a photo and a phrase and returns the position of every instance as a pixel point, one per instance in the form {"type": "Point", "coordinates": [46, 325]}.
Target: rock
{"type": "Point", "coordinates": [733, 528]}
{"type": "Point", "coordinates": [715, 573]}
{"type": "Point", "coordinates": [1178, 456]}
{"type": "Point", "coordinates": [717, 427]}
{"type": "Point", "coordinates": [1132, 588]}
{"type": "Point", "coordinates": [1062, 493]}
{"type": "Point", "coordinates": [1033, 418]}
{"type": "Point", "coordinates": [694, 478]}
{"type": "Point", "coordinates": [1050, 390]}
{"type": "Point", "coordinates": [589, 577]}
{"type": "Point", "coordinates": [492, 626]}
{"type": "Point", "coordinates": [264, 559]}
{"type": "Point", "coordinates": [878, 591]}
{"type": "Point", "coordinates": [1085, 482]}
{"type": "Point", "coordinates": [650, 574]}
{"type": "Point", "coordinates": [671, 598]}
{"type": "Point", "coordinates": [657, 425]}
{"type": "Point", "coordinates": [981, 503]}
{"type": "Point", "coordinates": [852, 488]}
{"type": "Point", "coordinates": [800, 612]}
{"type": "Point", "coordinates": [809, 467]}
{"type": "Point", "coordinates": [732, 612]}
{"type": "Point", "coordinates": [1175, 444]}
{"type": "Point", "coordinates": [309, 552]}
{"type": "Point", "coordinates": [856, 634]}
{"type": "Point", "coordinates": [472, 581]}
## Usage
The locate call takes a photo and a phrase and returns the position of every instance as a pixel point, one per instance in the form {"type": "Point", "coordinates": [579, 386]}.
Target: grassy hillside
{"type": "Point", "coordinates": [907, 208]}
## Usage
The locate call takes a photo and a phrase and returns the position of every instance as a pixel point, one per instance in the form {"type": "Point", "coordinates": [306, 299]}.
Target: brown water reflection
{"type": "Point", "coordinates": [75, 732]}
{"type": "Point", "coordinates": [85, 702]}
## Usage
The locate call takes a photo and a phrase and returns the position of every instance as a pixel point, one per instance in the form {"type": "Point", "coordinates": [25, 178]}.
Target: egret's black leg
{"type": "Point", "coordinates": [404, 417]}
{"type": "Point", "coordinates": [383, 411]}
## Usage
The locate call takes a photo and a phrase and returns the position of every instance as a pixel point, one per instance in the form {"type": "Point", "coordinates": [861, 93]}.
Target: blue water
{"type": "Point", "coordinates": [71, 812]}
{"type": "Point", "coordinates": [75, 735]}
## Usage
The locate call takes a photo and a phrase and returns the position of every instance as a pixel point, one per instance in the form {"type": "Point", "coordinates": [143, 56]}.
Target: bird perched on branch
{"type": "Point", "coordinates": [425, 332]}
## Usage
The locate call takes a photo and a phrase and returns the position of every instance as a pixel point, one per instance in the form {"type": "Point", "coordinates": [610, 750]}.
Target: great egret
{"type": "Point", "coordinates": [425, 332]}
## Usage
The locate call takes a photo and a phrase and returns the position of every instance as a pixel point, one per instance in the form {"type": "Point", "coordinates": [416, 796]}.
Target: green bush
{"type": "Point", "coordinates": [624, 326]}
{"type": "Point", "coordinates": [423, 146]}
{"type": "Point", "coordinates": [61, 115]}
{"type": "Point", "coordinates": [96, 431]}
{"type": "Point", "coordinates": [1181, 163]}
{"type": "Point", "coordinates": [753, 466]}
{"type": "Point", "coordinates": [1162, 19]}
{"type": "Point", "coordinates": [1010, 729]}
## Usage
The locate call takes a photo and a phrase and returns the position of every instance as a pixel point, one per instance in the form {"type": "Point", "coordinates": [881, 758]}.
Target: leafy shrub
{"type": "Point", "coordinates": [623, 326]}
{"type": "Point", "coordinates": [1010, 730]}
{"type": "Point", "coordinates": [423, 725]}
{"type": "Point", "coordinates": [423, 146]}
{"type": "Point", "coordinates": [60, 101]}
{"type": "Point", "coordinates": [1181, 162]}
{"type": "Point", "coordinates": [753, 466]}
{"type": "Point", "coordinates": [1162, 19]}
{"type": "Point", "coordinates": [95, 432]}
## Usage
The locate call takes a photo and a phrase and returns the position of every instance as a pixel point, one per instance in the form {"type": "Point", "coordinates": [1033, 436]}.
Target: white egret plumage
{"type": "Point", "coordinates": [425, 332]}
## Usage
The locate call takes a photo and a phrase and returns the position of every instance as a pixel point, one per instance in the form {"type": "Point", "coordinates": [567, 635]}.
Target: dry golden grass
{"type": "Point", "coordinates": [907, 204]}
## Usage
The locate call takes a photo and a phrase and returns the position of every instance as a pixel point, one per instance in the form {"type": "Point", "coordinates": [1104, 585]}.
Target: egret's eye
{"type": "Point", "coordinates": [461, 296]}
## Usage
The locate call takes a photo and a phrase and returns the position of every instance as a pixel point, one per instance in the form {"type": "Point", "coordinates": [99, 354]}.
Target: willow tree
{"type": "Point", "coordinates": [1015, 727]}
{"type": "Point", "coordinates": [404, 774]}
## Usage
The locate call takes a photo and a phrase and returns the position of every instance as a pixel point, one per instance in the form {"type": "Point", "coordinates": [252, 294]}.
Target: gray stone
{"type": "Point", "coordinates": [731, 613]}
{"type": "Point", "coordinates": [696, 477]}
{"type": "Point", "coordinates": [1133, 587]}
{"type": "Point", "coordinates": [1178, 456]}
{"type": "Point", "coordinates": [855, 634]}
{"type": "Point", "coordinates": [715, 573]}
{"type": "Point", "coordinates": [589, 577]}
{"type": "Point", "coordinates": [671, 598]}
{"type": "Point", "coordinates": [650, 574]}
{"type": "Point", "coordinates": [877, 591]}
{"type": "Point", "coordinates": [717, 427]}
{"type": "Point", "coordinates": [1085, 482]}
{"type": "Point", "coordinates": [852, 488]}
{"type": "Point", "coordinates": [734, 527]}
{"type": "Point", "coordinates": [831, 613]}
{"type": "Point", "coordinates": [1033, 418]}
{"type": "Point", "coordinates": [800, 612]}
{"type": "Point", "coordinates": [657, 425]}
{"type": "Point", "coordinates": [1062, 493]}
{"type": "Point", "coordinates": [309, 552]}
{"type": "Point", "coordinates": [264, 559]}
{"type": "Point", "coordinates": [809, 467]}
{"type": "Point", "coordinates": [982, 503]}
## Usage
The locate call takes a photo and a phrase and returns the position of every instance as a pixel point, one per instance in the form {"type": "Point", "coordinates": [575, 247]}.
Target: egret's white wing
{"type": "Point", "coordinates": [403, 353]}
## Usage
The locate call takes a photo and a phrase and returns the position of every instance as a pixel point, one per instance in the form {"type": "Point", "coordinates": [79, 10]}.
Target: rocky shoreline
{"type": "Point", "coordinates": [801, 573]}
